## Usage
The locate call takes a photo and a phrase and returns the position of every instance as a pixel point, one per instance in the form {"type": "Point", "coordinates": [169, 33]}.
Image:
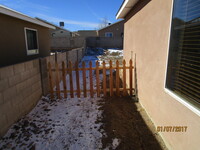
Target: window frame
{"type": "Point", "coordinates": [108, 33]}
{"type": "Point", "coordinates": [180, 99]}
{"type": "Point", "coordinates": [31, 51]}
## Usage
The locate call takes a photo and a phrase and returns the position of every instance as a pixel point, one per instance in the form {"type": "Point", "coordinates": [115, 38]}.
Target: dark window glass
{"type": "Point", "coordinates": [183, 72]}
{"type": "Point", "coordinates": [31, 39]}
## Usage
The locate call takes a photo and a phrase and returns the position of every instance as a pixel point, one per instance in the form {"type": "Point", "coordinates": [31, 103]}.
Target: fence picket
{"type": "Point", "coordinates": [71, 80]}
{"type": "Point", "coordinates": [114, 87]}
{"type": "Point", "coordinates": [104, 78]}
{"type": "Point", "coordinates": [91, 80]}
{"type": "Point", "coordinates": [57, 80]}
{"type": "Point", "coordinates": [84, 80]}
{"type": "Point", "coordinates": [97, 79]}
{"type": "Point", "coordinates": [64, 79]}
{"type": "Point", "coordinates": [131, 76]}
{"type": "Point", "coordinates": [117, 78]}
{"type": "Point", "coordinates": [50, 80]}
{"type": "Point", "coordinates": [124, 78]}
{"type": "Point", "coordinates": [77, 80]}
{"type": "Point", "coordinates": [111, 78]}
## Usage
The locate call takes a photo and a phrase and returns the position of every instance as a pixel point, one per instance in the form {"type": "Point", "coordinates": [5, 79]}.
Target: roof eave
{"type": "Point", "coordinates": [15, 14]}
{"type": "Point", "coordinates": [125, 8]}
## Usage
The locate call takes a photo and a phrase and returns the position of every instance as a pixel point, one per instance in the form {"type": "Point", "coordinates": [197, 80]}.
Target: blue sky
{"type": "Point", "coordinates": [77, 14]}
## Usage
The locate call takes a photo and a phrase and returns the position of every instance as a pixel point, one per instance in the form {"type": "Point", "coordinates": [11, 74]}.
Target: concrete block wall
{"type": "Point", "coordinates": [75, 55]}
{"type": "Point", "coordinates": [20, 90]}
{"type": "Point", "coordinates": [67, 42]}
{"type": "Point", "coordinates": [22, 85]}
{"type": "Point", "coordinates": [104, 42]}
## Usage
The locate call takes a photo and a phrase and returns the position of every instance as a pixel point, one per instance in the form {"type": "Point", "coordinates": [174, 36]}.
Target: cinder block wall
{"type": "Point", "coordinates": [20, 90]}
{"type": "Point", "coordinates": [104, 42]}
{"type": "Point", "coordinates": [22, 85]}
{"type": "Point", "coordinates": [75, 55]}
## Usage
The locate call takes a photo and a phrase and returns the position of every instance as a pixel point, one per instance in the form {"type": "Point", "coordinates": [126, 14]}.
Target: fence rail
{"type": "Point", "coordinates": [57, 74]}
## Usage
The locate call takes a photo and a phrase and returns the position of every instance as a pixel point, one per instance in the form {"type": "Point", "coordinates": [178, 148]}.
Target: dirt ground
{"type": "Point", "coordinates": [122, 119]}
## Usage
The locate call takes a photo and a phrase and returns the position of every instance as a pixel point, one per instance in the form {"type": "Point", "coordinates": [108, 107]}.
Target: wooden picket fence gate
{"type": "Point", "coordinates": [100, 90]}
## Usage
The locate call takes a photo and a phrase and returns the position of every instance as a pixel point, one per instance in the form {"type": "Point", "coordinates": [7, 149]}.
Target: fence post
{"type": "Point", "coordinates": [97, 79]}
{"type": "Point", "coordinates": [91, 80]}
{"type": "Point", "coordinates": [84, 80]}
{"type": "Point", "coordinates": [57, 80]}
{"type": "Point", "coordinates": [77, 80]}
{"type": "Point", "coordinates": [131, 76]}
{"type": "Point", "coordinates": [104, 78]}
{"type": "Point", "coordinates": [64, 79]}
{"type": "Point", "coordinates": [124, 78]}
{"type": "Point", "coordinates": [50, 80]}
{"type": "Point", "coordinates": [111, 78]}
{"type": "Point", "coordinates": [71, 80]}
{"type": "Point", "coordinates": [117, 78]}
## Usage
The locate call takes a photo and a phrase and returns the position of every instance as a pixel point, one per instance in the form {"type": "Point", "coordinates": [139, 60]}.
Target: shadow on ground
{"type": "Point", "coordinates": [122, 120]}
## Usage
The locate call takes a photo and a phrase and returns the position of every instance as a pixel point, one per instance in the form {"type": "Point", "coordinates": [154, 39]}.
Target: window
{"type": "Point", "coordinates": [108, 34]}
{"type": "Point", "coordinates": [31, 41]}
{"type": "Point", "coordinates": [183, 70]}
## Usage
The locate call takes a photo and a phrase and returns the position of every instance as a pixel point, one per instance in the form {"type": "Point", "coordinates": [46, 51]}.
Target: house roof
{"type": "Point", "coordinates": [7, 11]}
{"type": "Point", "coordinates": [111, 25]}
{"type": "Point", "coordinates": [126, 6]}
{"type": "Point", "coordinates": [51, 24]}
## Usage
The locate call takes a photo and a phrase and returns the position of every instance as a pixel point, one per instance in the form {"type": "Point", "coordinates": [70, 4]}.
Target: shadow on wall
{"type": "Point", "coordinates": [135, 79]}
{"type": "Point", "coordinates": [137, 8]}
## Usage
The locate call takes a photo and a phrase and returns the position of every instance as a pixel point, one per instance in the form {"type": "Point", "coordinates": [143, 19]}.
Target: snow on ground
{"type": "Point", "coordinates": [70, 123]}
{"type": "Point", "coordinates": [61, 124]}
{"type": "Point", "coordinates": [111, 54]}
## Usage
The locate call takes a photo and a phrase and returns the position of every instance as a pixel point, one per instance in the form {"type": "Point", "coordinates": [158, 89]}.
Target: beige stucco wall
{"type": "Point", "coordinates": [147, 35]}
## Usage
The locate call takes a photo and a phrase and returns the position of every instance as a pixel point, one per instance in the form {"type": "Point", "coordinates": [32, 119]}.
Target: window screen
{"type": "Point", "coordinates": [183, 72]}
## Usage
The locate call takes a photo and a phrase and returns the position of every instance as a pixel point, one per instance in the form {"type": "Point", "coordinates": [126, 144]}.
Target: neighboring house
{"type": "Point", "coordinates": [60, 37]}
{"type": "Point", "coordinates": [115, 30]}
{"type": "Point", "coordinates": [22, 37]}
{"type": "Point", "coordinates": [165, 37]}
{"type": "Point", "coordinates": [59, 31]}
{"type": "Point", "coordinates": [108, 37]}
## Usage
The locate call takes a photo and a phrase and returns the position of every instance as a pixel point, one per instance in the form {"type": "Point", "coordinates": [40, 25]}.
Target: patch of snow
{"type": "Point", "coordinates": [61, 124]}
{"type": "Point", "coordinates": [115, 143]}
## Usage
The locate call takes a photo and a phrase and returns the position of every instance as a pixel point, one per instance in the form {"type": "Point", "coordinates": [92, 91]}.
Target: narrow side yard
{"type": "Point", "coordinates": [84, 124]}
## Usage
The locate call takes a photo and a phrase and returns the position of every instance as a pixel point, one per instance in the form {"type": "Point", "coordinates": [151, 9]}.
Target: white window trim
{"type": "Point", "coordinates": [172, 94]}
{"type": "Point", "coordinates": [28, 51]}
{"type": "Point", "coordinates": [107, 33]}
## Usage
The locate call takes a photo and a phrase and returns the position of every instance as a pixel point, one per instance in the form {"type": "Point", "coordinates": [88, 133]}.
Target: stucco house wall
{"type": "Point", "coordinates": [117, 29]}
{"type": "Point", "coordinates": [146, 34]}
{"type": "Point", "coordinates": [58, 32]}
{"type": "Point", "coordinates": [12, 40]}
